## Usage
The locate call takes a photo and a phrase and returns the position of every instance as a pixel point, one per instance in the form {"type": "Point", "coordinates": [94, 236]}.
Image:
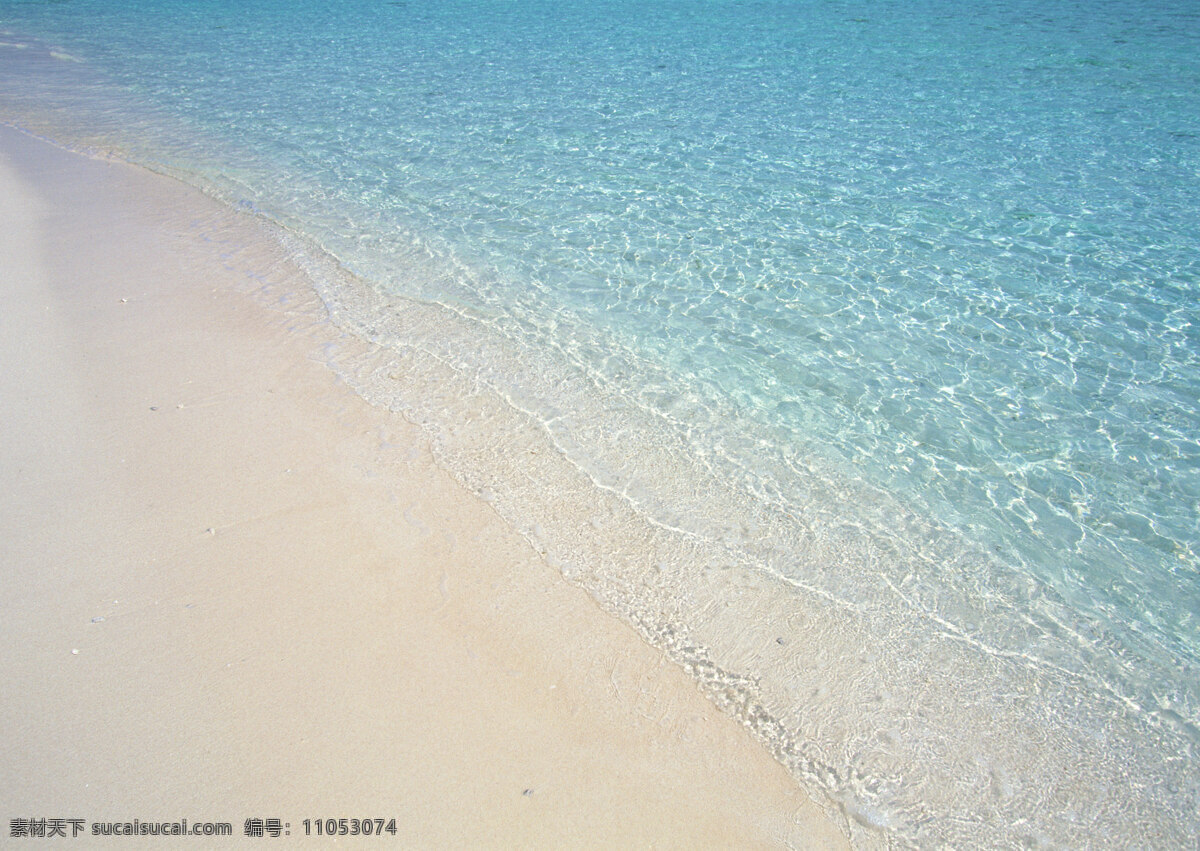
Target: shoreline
{"type": "Point", "coordinates": [282, 607]}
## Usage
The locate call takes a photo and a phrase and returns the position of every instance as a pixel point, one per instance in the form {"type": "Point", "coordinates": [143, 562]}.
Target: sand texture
{"type": "Point", "coordinates": [229, 588]}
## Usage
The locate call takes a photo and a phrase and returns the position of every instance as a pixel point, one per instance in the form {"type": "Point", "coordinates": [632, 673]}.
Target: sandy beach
{"type": "Point", "coordinates": [231, 589]}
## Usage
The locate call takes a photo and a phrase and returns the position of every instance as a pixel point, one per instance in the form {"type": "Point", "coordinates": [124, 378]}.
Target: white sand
{"type": "Point", "coordinates": [229, 588]}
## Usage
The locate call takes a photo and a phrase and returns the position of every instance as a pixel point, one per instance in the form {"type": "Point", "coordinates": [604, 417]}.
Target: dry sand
{"type": "Point", "coordinates": [231, 589]}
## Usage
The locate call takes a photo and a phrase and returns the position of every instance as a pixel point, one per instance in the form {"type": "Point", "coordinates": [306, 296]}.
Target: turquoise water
{"type": "Point", "coordinates": [849, 350]}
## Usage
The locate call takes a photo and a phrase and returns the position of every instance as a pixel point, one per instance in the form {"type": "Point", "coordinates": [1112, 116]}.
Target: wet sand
{"type": "Point", "coordinates": [232, 589]}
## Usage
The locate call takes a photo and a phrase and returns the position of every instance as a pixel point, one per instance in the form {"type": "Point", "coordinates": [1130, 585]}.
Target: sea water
{"type": "Point", "coordinates": [848, 350]}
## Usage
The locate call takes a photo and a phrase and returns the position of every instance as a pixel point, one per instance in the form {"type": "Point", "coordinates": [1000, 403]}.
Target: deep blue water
{"type": "Point", "coordinates": [857, 342]}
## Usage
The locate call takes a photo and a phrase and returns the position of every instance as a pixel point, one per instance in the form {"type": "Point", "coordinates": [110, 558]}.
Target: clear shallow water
{"type": "Point", "coordinates": [849, 350]}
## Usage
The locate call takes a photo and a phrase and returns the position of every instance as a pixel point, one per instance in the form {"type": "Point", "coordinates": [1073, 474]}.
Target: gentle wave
{"type": "Point", "coordinates": [851, 356]}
